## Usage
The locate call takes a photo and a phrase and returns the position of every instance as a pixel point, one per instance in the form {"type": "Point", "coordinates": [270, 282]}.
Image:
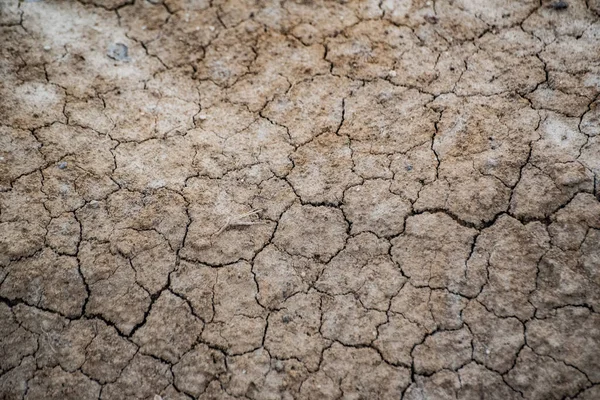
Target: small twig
{"type": "Point", "coordinates": [236, 221]}
{"type": "Point", "coordinates": [49, 339]}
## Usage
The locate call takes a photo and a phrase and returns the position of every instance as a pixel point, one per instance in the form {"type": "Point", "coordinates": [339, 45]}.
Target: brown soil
{"type": "Point", "coordinates": [318, 199]}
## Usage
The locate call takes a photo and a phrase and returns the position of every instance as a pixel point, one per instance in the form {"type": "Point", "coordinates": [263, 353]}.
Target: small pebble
{"type": "Point", "coordinates": [62, 165]}
{"type": "Point", "coordinates": [47, 48]}
{"type": "Point", "coordinates": [432, 19]}
{"type": "Point", "coordinates": [211, 28]}
{"type": "Point", "coordinates": [118, 52]}
{"type": "Point", "coordinates": [286, 319]}
{"type": "Point", "coordinates": [409, 167]}
{"type": "Point", "coordinates": [278, 366]}
{"type": "Point", "coordinates": [202, 117]}
{"type": "Point", "coordinates": [392, 73]}
{"type": "Point", "coordinates": [559, 5]}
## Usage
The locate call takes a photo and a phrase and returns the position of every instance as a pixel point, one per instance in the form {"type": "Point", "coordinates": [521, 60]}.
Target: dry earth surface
{"type": "Point", "coordinates": [271, 199]}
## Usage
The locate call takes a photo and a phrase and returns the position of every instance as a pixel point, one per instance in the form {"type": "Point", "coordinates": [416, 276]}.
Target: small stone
{"type": "Point", "coordinates": [118, 52]}
{"type": "Point", "coordinates": [392, 73]}
{"type": "Point", "coordinates": [47, 48]}
{"type": "Point", "coordinates": [559, 5]}
{"type": "Point", "coordinates": [202, 117]}
{"type": "Point", "coordinates": [62, 165]}
{"type": "Point", "coordinates": [278, 366]}
{"type": "Point", "coordinates": [211, 28]}
{"type": "Point", "coordinates": [286, 319]}
{"type": "Point", "coordinates": [432, 19]}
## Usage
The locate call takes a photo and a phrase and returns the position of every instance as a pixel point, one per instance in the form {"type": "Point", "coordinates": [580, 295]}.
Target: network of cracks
{"type": "Point", "coordinates": [271, 199]}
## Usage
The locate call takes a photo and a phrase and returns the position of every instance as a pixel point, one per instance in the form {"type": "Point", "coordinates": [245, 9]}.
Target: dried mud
{"type": "Point", "coordinates": [270, 199]}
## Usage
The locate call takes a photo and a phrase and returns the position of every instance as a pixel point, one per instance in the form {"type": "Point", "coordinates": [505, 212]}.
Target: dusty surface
{"type": "Point", "coordinates": [271, 199]}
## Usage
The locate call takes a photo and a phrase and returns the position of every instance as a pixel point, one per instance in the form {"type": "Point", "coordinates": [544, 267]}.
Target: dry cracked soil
{"type": "Point", "coordinates": [317, 199]}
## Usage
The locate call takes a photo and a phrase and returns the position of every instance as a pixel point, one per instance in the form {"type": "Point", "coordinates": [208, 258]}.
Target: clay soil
{"type": "Point", "coordinates": [318, 199]}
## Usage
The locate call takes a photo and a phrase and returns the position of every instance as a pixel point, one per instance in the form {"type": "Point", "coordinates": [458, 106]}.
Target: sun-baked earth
{"type": "Point", "coordinates": [270, 199]}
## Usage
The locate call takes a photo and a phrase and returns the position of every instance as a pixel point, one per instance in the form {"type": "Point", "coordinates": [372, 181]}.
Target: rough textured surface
{"type": "Point", "coordinates": [299, 199]}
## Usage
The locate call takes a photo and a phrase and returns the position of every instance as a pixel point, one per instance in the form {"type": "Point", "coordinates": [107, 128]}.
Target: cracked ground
{"type": "Point", "coordinates": [269, 199]}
